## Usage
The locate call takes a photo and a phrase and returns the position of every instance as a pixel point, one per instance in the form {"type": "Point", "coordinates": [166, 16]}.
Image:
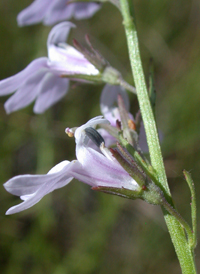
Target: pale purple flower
{"type": "Point", "coordinates": [53, 11]}
{"type": "Point", "coordinates": [92, 167]}
{"type": "Point", "coordinates": [42, 80]}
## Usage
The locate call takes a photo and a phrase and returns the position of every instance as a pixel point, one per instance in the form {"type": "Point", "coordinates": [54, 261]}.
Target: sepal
{"type": "Point", "coordinates": [111, 76]}
{"type": "Point", "coordinates": [130, 166]}
{"type": "Point", "coordinates": [122, 192]}
{"type": "Point", "coordinates": [151, 194]}
{"type": "Point", "coordinates": [92, 55]}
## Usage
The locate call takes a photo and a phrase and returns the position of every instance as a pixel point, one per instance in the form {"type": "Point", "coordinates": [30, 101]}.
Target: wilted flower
{"type": "Point", "coordinates": [52, 11]}
{"type": "Point", "coordinates": [97, 168]}
{"type": "Point", "coordinates": [42, 80]}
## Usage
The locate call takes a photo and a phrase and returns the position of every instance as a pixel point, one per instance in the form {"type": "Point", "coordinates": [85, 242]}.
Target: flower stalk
{"type": "Point", "coordinates": [177, 234]}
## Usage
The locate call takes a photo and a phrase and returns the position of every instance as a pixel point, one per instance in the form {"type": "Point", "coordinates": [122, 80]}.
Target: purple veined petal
{"type": "Point", "coordinates": [32, 188]}
{"type": "Point", "coordinates": [34, 13]}
{"type": "Point", "coordinates": [27, 92]}
{"type": "Point", "coordinates": [53, 89]}
{"type": "Point", "coordinates": [97, 170]}
{"type": "Point", "coordinates": [9, 85]}
{"type": "Point", "coordinates": [59, 33]}
{"type": "Point", "coordinates": [108, 99]}
{"type": "Point", "coordinates": [85, 10]}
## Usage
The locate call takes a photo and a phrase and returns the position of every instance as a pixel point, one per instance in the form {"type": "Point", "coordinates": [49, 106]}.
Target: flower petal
{"type": "Point", "coordinates": [67, 60]}
{"type": "Point", "coordinates": [29, 184]}
{"type": "Point", "coordinates": [53, 11]}
{"type": "Point", "coordinates": [12, 83]}
{"type": "Point", "coordinates": [58, 167]}
{"type": "Point", "coordinates": [54, 88]}
{"type": "Point", "coordinates": [27, 93]}
{"type": "Point", "coordinates": [60, 10]}
{"type": "Point", "coordinates": [64, 10]}
{"type": "Point", "coordinates": [85, 10]}
{"type": "Point", "coordinates": [81, 138]}
{"type": "Point", "coordinates": [59, 33]}
{"type": "Point", "coordinates": [32, 188]}
{"type": "Point", "coordinates": [34, 13]}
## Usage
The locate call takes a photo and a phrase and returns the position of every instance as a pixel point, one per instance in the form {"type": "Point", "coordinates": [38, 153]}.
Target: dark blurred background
{"type": "Point", "coordinates": [74, 229]}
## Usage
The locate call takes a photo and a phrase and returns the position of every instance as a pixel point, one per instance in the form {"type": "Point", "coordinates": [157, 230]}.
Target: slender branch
{"type": "Point", "coordinates": [193, 207]}
{"type": "Point", "coordinates": [177, 234]}
{"type": "Point", "coordinates": [127, 86]}
{"type": "Point", "coordinates": [173, 212]}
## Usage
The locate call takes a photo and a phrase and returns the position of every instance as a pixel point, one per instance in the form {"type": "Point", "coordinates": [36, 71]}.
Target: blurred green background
{"type": "Point", "coordinates": [74, 229]}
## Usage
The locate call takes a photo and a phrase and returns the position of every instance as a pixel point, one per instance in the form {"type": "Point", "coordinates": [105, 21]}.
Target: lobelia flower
{"type": "Point", "coordinates": [42, 80]}
{"type": "Point", "coordinates": [52, 11]}
{"type": "Point", "coordinates": [97, 168]}
{"type": "Point", "coordinates": [46, 80]}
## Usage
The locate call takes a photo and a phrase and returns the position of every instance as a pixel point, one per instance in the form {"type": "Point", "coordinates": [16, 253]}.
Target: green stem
{"type": "Point", "coordinates": [177, 234]}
